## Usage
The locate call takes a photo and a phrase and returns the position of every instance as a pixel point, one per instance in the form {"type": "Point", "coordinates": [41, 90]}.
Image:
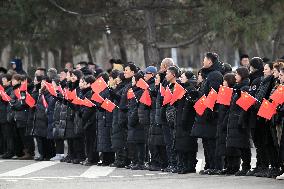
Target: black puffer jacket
{"type": "Point", "coordinates": [4, 106]}
{"type": "Point", "coordinates": [59, 119]}
{"type": "Point", "coordinates": [41, 120]}
{"type": "Point", "coordinates": [104, 126]}
{"type": "Point", "coordinates": [136, 132]}
{"type": "Point", "coordinates": [31, 117]}
{"type": "Point", "coordinates": [119, 130]}
{"type": "Point", "coordinates": [144, 111]}
{"type": "Point", "coordinates": [205, 126]}
{"type": "Point", "coordinates": [255, 80]}
{"type": "Point", "coordinates": [238, 130]}
{"type": "Point", "coordinates": [78, 122]}
{"type": "Point", "coordinates": [20, 108]}
{"type": "Point", "coordinates": [156, 131]}
{"type": "Point", "coordinates": [185, 119]}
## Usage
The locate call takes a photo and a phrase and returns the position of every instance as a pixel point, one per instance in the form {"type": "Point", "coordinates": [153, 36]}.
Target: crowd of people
{"type": "Point", "coordinates": [148, 119]}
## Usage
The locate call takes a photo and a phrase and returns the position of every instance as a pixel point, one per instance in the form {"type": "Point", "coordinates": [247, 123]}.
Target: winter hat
{"type": "Point", "coordinates": [78, 74]}
{"type": "Point", "coordinates": [257, 63]}
{"type": "Point", "coordinates": [151, 69]}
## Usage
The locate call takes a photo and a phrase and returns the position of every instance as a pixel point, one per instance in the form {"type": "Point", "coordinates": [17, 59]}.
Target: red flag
{"type": "Point", "coordinates": [4, 96]}
{"type": "Point", "coordinates": [145, 98]}
{"type": "Point", "coordinates": [278, 95]}
{"type": "Point", "coordinates": [77, 101]}
{"type": "Point", "coordinates": [17, 93]}
{"type": "Point", "coordinates": [162, 90]}
{"type": "Point", "coordinates": [99, 85]}
{"type": "Point", "coordinates": [245, 101]}
{"type": "Point", "coordinates": [199, 106]}
{"type": "Point", "coordinates": [211, 99]}
{"type": "Point", "coordinates": [24, 86]}
{"type": "Point", "coordinates": [71, 95]}
{"type": "Point", "coordinates": [141, 83]}
{"type": "Point", "coordinates": [59, 88]}
{"type": "Point", "coordinates": [267, 109]}
{"type": "Point", "coordinates": [44, 101]}
{"type": "Point", "coordinates": [168, 96]}
{"type": "Point", "coordinates": [108, 105]}
{"type": "Point", "coordinates": [130, 94]}
{"type": "Point", "coordinates": [1, 88]}
{"type": "Point", "coordinates": [88, 103]}
{"type": "Point", "coordinates": [30, 100]}
{"type": "Point", "coordinates": [224, 95]}
{"type": "Point", "coordinates": [96, 97]}
{"type": "Point", "coordinates": [50, 88]}
{"type": "Point", "coordinates": [178, 93]}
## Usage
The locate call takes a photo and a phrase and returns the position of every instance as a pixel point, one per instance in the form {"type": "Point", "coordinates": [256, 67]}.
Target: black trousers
{"type": "Point", "coordinates": [8, 137]}
{"type": "Point", "coordinates": [90, 145]}
{"type": "Point", "coordinates": [168, 133]}
{"type": "Point", "coordinates": [26, 141]}
{"type": "Point", "coordinates": [46, 147]}
{"type": "Point", "coordinates": [107, 157]}
{"type": "Point", "coordinates": [59, 146]}
{"type": "Point", "coordinates": [186, 160]}
{"type": "Point", "coordinates": [209, 146]}
{"type": "Point", "coordinates": [236, 155]}
{"type": "Point", "coordinates": [158, 156]}
{"type": "Point", "coordinates": [272, 147]}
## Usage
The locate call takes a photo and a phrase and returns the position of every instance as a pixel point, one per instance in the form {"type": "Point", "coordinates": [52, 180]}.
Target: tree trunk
{"type": "Point", "coordinates": [122, 48]}
{"type": "Point", "coordinates": [151, 53]}
{"type": "Point", "coordinates": [56, 57]}
{"type": "Point", "coordinates": [66, 53]}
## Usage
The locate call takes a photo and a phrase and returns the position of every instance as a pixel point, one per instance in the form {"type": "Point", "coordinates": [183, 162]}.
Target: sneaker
{"type": "Point", "coordinates": [228, 172]}
{"type": "Point", "coordinates": [137, 167]}
{"type": "Point", "coordinates": [242, 173]}
{"type": "Point", "coordinates": [214, 172]}
{"type": "Point", "coordinates": [8, 156]}
{"type": "Point", "coordinates": [281, 177]}
{"type": "Point", "coordinates": [57, 157]}
{"type": "Point", "coordinates": [154, 168]}
{"type": "Point", "coordinates": [129, 166]}
{"type": "Point", "coordinates": [39, 158]}
{"type": "Point", "coordinates": [253, 171]}
{"type": "Point", "coordinates": [205, 172]}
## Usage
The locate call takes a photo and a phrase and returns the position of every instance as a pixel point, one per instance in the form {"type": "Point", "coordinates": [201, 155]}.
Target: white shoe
{"type": "Point", "coordinates": [57, 157]}
{"type": "Point", "coordinates": [281, 177]}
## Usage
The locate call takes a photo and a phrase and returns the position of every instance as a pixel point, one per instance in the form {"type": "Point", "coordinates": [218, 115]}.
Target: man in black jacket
{"type": "Point", "coordinates": [205, 126]}
{"type": "Point", "coordinates": [6, 128]}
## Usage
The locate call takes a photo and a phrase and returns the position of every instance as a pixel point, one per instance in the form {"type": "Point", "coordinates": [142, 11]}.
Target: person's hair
{"type": "Point", "coordinates": [132, 66]}
{"type": "Point", "coordinates": [65, 70]}
{"type": "Point", "coordinates": [168, 62]}
{"type": "Point", "coordinates": [41, 69]}
{"type": "Point", "coordinates": [121, 76]}
{"type": "Point", "coordinates": [114, 74]}
{"type": "Point", "coordinates": [214, 57]}
{"type": "Point", "coordinates": [201, 73]}
{"type": "Point", "coordinates": [7, 76]}
{"type": "Point", "coordinates": [91, 64]}
{"type": "Point", "coordinates": [138, 75]}
{"type": "Point", "coordinates": [270, 64]}
{"type": "Point", "coordinates": [77, 73]}
{"type": "Point", "coordinates": [230, 78]}
{"type": "Point", "coordinates": [83, 63]}
{"type": "Point", "coordinates": [244, 56]}
{"type": "Point", "coordinates": [17, 77]}
{"type": "Point", "coordinates": [174, 70]}
{"type": "Point", "coordinates": [189, 75]}
{"type": "Point", "coordinates": [278, 65]}
{"type": "Point", "coordinates": [104, 76]}
{"type": "Point", "coordinates": [89, 79]}
{"type": "Point", "coordinates": [227, 68]}
{"type": "Point", "coordinates": [243, 72]}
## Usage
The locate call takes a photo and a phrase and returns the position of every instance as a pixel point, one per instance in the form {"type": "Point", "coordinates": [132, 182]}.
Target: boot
{"type": "Point", "coordinates": [26, 156]}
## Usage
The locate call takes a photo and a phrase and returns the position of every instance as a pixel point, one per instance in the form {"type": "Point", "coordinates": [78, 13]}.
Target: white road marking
{"type": "Point", "coordinates": [118, 176]}
{"type": "Point", "coordinates": [97, 171]}
{"type": "Point", "coordinates": [28, 169]}
{"type": "Point", "coordinates": [149, 174]}
{"type": "Point", "coordinates": [138, 175]}
{"type": "Point", "coordinates": [163, 173]}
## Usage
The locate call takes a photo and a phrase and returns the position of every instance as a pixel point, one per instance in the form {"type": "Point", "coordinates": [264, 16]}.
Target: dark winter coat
{"type": "Point", "coordinates": [31, 117]}
{"type": "Point", "coordinates": [205, 126]}
{"type": "Point", "coordinates": [255, 80]}
{"type": "Point", "coordinates": [59, 119]}
{"type": "Point", "coordinates": [4, 107]}
{"type": "Point", "coordinates": [119, 130]}
{"type": "Point", "coordinates": [185, 119]}
{"type": "Point", "coordinates": [136, 132]}
{"type": "Point", "coordinates": [50, 116]}
{"type": "Point", "coordinates": [104, 126]}
{"type": "Point", "coordinates": [238, 130]}
{"type": "Point", "coordinates": [40, 119]}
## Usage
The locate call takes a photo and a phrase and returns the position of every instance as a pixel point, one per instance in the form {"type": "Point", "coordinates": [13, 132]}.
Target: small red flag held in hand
{"type": "Point", "coordinates": [211, 99]}
{"type": "Point", "coordinates": [278, 95]}
{"type": "Point", "coordinates": [88, 103]}
{"type": "Point", "coordinates": [245, 101]}
{"type": "Point", "coordinates": [141, 83]}
{"type": "Point", "coordinates": [168, 96]}
{"type": "Point", "coordinates": [178, 93]}
{"type": "Point", "coordinates": [24, 86]}
{"type": "Point", "coordinates": [50, 88]}
{"type": "Point", "coordinates": [30, 101]}
{"type": "Point", "coordinates": [130, 94]}
{"type": "Point", "coordinates": [44, 101]}
{"type": "Point", "coordinates": [162, 90]}
{"type": "Point", "coordinates": [99, 85]}
{"type": "Point", "coordinates": [224, 95]}
{"type": "Point", "coordinates": [145, 98]}
{"type": "Point", "coordinates": [1, 88]}
{"type": "Point", "coordinates": [108, 105]}
{"type": "Point", "coordinates": [97, 98]}
{"type": "Point", "coordinates": [267, 109]}
{"type": "Point", "coordinates": [4, 96]}
{"type": "Point", "coordinates": [17, 93]}
{"type": "Point", "coordinates": [199, 105]}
